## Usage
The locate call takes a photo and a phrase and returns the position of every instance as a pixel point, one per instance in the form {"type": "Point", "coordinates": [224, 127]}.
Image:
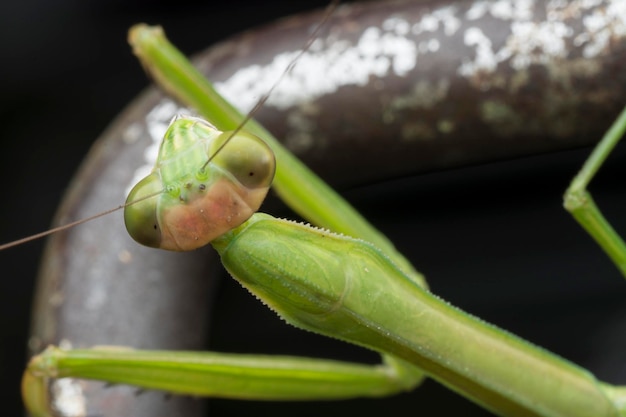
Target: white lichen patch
{"type": "Point", "coordinates": [485, 59]}
{"type": "Point", "coordinates": [538, 41]}
{"type": "Point", "coordinates": [378, 52]}
{"type": "Point", "coordinates": [68, 398]}
{"type": "Point", "coordinates": [529, 43]}
{"type": "Point", "coordinates": [541, 33]}
{"type": "Point", "coordinates": [603, 26]}
{"type": "Point", "coordinates": [443, 18]}
{"type": "Point", "coordinates": [397, 25]}
{"type": "Point", "coordinates": [501, 9]}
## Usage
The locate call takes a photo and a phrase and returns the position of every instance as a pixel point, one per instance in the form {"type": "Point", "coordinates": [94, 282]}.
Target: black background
{"type": "Point", "coordinates": [492, 239]}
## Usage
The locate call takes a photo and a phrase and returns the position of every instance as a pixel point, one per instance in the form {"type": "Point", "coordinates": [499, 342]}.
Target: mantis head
{"type": "Point", "coordinates": [205, 182]}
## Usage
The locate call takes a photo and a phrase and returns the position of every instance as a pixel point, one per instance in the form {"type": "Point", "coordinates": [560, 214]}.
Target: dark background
{"type": "Point", "coordinates": [492, 239]}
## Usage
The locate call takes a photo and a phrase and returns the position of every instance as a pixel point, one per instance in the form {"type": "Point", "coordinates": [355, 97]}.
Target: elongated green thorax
{"type": "Point", "coordinates": [346, 288]}
{"type": "Point", "coordinates": [203, 185]}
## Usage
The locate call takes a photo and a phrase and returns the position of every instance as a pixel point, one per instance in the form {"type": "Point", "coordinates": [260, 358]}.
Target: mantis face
{"type": "Point", "coordinates": [205, 182]}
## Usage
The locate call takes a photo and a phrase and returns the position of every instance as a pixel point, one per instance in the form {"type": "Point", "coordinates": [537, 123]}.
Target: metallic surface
{"type": "Point", "coordinates": [419, 86]}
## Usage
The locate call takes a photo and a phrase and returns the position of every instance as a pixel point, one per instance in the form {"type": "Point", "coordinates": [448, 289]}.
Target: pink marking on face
{"type": "Point", "coordinates": [194, 224]}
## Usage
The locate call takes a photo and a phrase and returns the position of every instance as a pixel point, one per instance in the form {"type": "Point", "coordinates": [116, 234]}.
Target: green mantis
{"type": "Point", "coordinates": [336, 306]}
{"type": "Point", "coordinates": [96, 352]}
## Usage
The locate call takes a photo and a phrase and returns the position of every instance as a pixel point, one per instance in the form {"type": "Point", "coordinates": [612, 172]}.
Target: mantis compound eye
{"type": "Point", "coordinates": [141, 217]}
{"type": "Point", "coordinates": [247, 158]}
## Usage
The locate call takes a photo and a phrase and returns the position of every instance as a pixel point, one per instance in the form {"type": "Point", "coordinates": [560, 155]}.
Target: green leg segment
{"type": "Point", "coordinates": [580, 204]}
{"type": "Point", "coordinates": [215, 374]}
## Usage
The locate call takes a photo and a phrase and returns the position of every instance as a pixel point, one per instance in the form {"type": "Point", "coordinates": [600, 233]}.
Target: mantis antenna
{"type": "Point", "coordinates": [74, 223]}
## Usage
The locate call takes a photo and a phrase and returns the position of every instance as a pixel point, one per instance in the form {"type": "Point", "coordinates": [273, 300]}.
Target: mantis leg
{"type": "Point", "coordinates": [211, 374]}
{"type": "Point", "coordinates": [580, 204]}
